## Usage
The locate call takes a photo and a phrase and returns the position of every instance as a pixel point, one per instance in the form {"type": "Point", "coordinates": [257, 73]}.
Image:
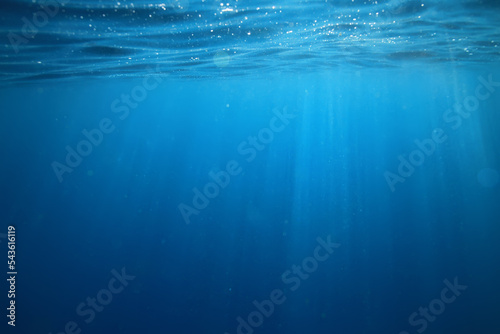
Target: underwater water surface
{"type": "Point", "coordinates": [241, 167]}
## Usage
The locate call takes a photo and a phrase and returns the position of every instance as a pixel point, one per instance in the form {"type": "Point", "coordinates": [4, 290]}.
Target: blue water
{"type": "Point", "coordinates": [240, 167]}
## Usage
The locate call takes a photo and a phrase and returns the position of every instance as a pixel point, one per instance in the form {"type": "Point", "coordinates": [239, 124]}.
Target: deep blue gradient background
{"type": "Point", "coordinates": [322, 175]}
